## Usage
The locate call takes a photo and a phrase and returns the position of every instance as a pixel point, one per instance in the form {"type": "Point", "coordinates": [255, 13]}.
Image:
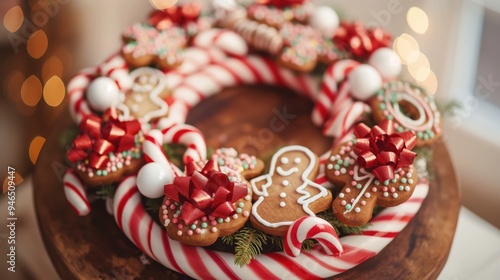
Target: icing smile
{"type": "Point", "coordinates": [288, 172]}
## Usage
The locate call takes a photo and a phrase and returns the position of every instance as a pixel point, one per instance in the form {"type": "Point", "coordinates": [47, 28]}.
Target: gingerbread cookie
{"type": "Point", "coordinates": [145, 101]}
{"type": "Point", "coordinates": [239, 166]}
{"type": "Point", "coordinates": [106, 149]}
{"type": "Point", "coordinates": [288, 191]}
{"type": "Point", "coordinates": [410, 108]}
{"type": "Point", "coordinates": [278, 31]}
{"type": "Point", "coordinates": [145, 45]}
{"type": "Point", "coordinates": [204, 205]}
{"type": "Point", "coordinates": [373, 170]}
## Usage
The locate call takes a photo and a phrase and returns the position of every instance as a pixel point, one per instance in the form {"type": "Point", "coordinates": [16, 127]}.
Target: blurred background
{"type": "Point", "coordinates": [450, 47]}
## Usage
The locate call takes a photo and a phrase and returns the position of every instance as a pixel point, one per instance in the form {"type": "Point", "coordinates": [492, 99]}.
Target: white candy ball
{"type": "Point", "coordinates": [365, 81]}
{"type": "Point", "coordinates": [151, 179]}
{"type": "Point", "coordinates": [102, 94]}
{"type": "Point", "coordinates": [326, 20]}
{"type": "Point", "coordinates": [387, 63]}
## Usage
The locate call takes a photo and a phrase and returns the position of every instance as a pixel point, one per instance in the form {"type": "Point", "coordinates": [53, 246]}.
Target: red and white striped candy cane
{"type": "Point", "coordinates": [310, 227]}
{"type": "Point", "coordinates": [76, 193]}
{"type": "Point", "coordinates": [159, 170]}
{"type": "Point", "coordinates": [202, 263]}
{"type": "Point", "coordinates": [251, 69]}
{"type": "Point", "coordinates": [226, 40]}
{"type": "Point", "coordinates": [328, 93]}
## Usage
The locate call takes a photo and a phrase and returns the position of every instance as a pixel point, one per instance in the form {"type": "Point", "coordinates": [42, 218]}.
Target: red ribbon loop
{"type": "Point", "coordinates": [205, 191]}
{"type": "Point", "coordinates": [382, 151]}
{"type": "Point", "coordinates": [101, 136]}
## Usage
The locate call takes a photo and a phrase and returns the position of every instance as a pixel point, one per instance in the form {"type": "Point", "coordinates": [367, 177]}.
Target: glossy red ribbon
{"type": "Point", "coordinates": [205, 191]}
{"type": "Point", "coordinates": [101, 136]}
{"type": "Point", "coordinates": [280, 3]}
{"type": "Point", "coordinates": [355, 38]}
{"type": "Point", "coordinates": [382, 151]}
{"type": "Point", "coordinates": [179, 15]}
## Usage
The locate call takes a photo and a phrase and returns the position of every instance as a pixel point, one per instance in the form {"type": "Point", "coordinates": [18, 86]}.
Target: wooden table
{"type": "Point", "coordinates": [93, 247]}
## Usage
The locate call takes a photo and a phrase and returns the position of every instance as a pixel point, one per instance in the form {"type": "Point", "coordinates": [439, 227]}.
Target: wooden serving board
{"type": "Point", "coordinates": [258, 120]}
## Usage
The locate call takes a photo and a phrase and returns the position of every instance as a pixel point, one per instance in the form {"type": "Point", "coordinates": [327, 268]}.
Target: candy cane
{"type": "Point", "coordinates": [202, 263]}
{"type": "Point", "coordinates": [76, 193]}
{"type": "Point", "coordinates": [228, 41]}
{"type": "Point", "coordinates": [159, 170]}
{"type": "Point", "coordinates": [311, 228]}
{"type": "Point", "coordinates": [251, 69]}
{"type": "Point", "coordinates": [328, 95]}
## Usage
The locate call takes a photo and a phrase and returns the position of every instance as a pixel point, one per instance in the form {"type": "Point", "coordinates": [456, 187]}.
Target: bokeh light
{"type": "Point", "coordinates": [13, 85]}
{"type": "Point", "coordinates": [54, 91]}
{"type": "Point", "coordinates": [407, 48]}
{"type": "Point", "coordinates": [417, 20]}
{"type": "Point", "coordinates": [37, 44]}
{"type": "Point", "coordinates": [52, 67]}
{"type": "Point", "coordinates": [35, 147]}
{"type": "Point", "coordinates": [13, 19]}
{"type": "Point", "coordinates": [431, 83]}
{"type": "Point", "coordinates": [420, 69]}
{"type": "Point", "coordinates": [31, 91]}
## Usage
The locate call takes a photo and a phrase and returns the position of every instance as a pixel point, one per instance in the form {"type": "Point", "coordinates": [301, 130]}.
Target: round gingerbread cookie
{"type": "Point", "coordinates": [204, 205]}
{"type": "Point", "coordinates": [106, 149]}
{"type": "Point", "coordinates": [410, 108]}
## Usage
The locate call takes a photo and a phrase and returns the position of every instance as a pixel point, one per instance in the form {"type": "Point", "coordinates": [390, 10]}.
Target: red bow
{"type": "Point", "coordinates": [382, 151]}
{"type": "Point", "coordinates": [204, 192]}
{"type": "Point", "coordinates": [100, 137]}
{"type": "Point", "coordinates": [176, 15]}
{"type": "Point", "coordinates": [359, 40]}
{"type": "Point", "coordinates": [280, 3]}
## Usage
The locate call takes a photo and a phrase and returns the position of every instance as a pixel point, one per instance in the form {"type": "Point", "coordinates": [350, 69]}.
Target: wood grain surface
{"type": "Point", "coordinates": [254, 119]}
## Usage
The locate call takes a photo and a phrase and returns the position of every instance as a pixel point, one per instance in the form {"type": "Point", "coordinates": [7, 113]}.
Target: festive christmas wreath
{"type": "Point", "coordinates": [132, 108]}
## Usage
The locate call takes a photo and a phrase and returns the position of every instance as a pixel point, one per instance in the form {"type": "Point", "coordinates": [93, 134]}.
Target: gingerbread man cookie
{"type": "Point", "coordinates": [145, 45]}
{"type": "Point", "coordinates": [373, 170]}
{"type": "Point", "coordinates": [288, 192]}
{"type": "Point", "coordinates": [145, 101]}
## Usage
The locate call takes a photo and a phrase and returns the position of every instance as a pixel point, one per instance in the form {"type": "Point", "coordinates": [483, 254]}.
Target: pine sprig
{"type": "Point", "coordinates": [106, 191]}
{"type": "Point", "coordinates": [341, 228]}
{"type": "Point", "coordinates": [174, 153]}
{"type": "Point", "coordinates": [67, 136]}
{"type": "Point", "coordinates": [249, 244]}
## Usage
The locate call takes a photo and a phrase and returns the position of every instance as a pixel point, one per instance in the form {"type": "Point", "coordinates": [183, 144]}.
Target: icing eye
{"type": "Point", "coordinates": [284, 160]}
{"type": "Point", "coordinates": [297, 160]}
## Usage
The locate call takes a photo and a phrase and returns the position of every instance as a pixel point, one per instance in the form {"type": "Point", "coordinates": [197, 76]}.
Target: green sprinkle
{"type": "Point", "coordinates": [178, 212]}
{"type": "Point", "coordinates": [104, 173]}
{"type": "Point", "coordinates": [390, 117]}
{"type": "Point", "coordinates": [401, 188]}
{"type": "Point", "coordinates": [193, 226]}
{"type": "Point", "coordinates": [377, 182]}
{"type": "Point", "coordinates": [220, 161]}
{"type": "Point", "coordinates": [245, 165]}
{"type": "Point", "coordinates": [359, 186]}
{"type": "Point", "coordinates": [403, 180]}
{"type": "Point", "coordinates": [220, 220]}
{"type": "Point", "coordinates": [348, 206]}
{"type": "Point", "coordinates": [339, 161]}
{"type": "Point", "coordinates": [336, 167]}
{"type": "Point", "coordinates": [239, 210]}
{"type": "Point", "coordinates": [346, 163]}
{"type": "Point", "coordinates": [400, 129]}
{"type": "Point", "coordinates": [354, 141]}
{"type": "Point", "coordinates": [420, 134]}
{"type": "Point", "coordinates": [386, 183]}
{"type": "Point", "coordinates": [382, 106]}
{"type": "Point", "coordinates": [241, 204]}
{"type": "Point", "coordinates": [394, 180]}
{"type": "Point", "coordinates": [205, 225]}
